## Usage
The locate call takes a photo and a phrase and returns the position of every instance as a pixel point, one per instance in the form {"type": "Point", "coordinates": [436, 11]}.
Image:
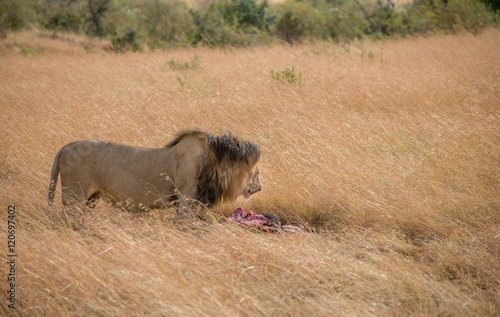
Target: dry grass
{"type": "Point", "coordinates": [389, 152]}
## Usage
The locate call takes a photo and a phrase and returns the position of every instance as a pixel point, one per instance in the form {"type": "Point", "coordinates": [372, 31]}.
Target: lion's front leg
{"type": "Point", "coordinates": [194, 210]}
{"type": "Point", "coordinates": [187, 207]}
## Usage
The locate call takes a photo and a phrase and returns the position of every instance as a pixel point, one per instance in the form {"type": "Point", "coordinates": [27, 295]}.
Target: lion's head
{"type": "Point", "coordinates": [253, 184]}
{"type": "Point", "coordinates": [228, 169]}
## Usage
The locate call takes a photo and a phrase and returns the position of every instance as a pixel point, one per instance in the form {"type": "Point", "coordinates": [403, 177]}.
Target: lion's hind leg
{"type": "Point", "coordinates": [76, 194]}
{"type": "Point", "coordinates": [71, 196]}
{"type": "Point", "coordinates": [92, 201]}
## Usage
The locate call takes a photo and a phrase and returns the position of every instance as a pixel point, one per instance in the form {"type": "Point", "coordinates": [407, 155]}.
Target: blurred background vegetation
{"type": "Point", "coordinates": [134, 24]}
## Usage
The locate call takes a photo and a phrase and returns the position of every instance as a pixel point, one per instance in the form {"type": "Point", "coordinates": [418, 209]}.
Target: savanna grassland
{"type": "Point", "coordinates": [386, 153]}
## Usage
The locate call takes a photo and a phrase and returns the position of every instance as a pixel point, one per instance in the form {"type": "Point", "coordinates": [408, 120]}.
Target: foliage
{"type": "Point", "coordinates": [97, 9]}
{"type": "Point", "coordinates": [305, 19]}
{"type": "Point", "coordinates": [125, 42]}
{"type": "Point", "coordinates": [290, 27]}
{"type": "Point", "coordinates": [65, 22]}
{"type": "Point", "coordinates": [232, 22]}
{"type": "Point", "coordinates": [288, 75]}
{"type": "Point", "coordinates": [493, 5]}
{"type": "Point", "coordinates": [15, 15]}
{"type": "Point", "coordinates": [131, 24]}
{"type": "Point", "coordinates": [451, 16]}
{"type": "Point", "coordinates": [176, 65]}
{"type": "Point", "coordinates": [184, 83]}
{"type": "Point", "coordinates": [249, 13]}
{"type": "Point", "coordinates": [26, 51]}
{"type": "Point", "coordinates": [168, 23]}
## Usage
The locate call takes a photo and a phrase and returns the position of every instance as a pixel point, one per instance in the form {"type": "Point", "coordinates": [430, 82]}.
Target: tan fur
{"type": "Point", "coordinates": [194, 167]}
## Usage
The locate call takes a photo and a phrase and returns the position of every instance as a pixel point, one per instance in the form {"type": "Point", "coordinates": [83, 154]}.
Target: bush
{"type": "Point", "coordinates": [168, 23]}
{"type": "Point", "coordinates": [288, 75]}
{"type": "Point", "coordinates": [249, 13]}
{"type": "Point", "coordinates": [233, 22]}
{"type": "Point", "coordinates": [493, 5]}
{"type": "Point", "coordinates": [301, 19]}
{"type": "Point", "coordinates": [385, 21]}
{"type": "Point", "coordinates": [131, 24]}
{"type": "Point", "coordinates": [96, 10]}
{"type": "Point", "coordinates": [318, 19]}
{"type": "Point", "coordinates": [16, 15]}
{"type": "Point", "coordinates": [126, 42]}
{"type": "Point", "coordinates": [176, 65]}
{"type": "Point", "coordinates": [450, 16]}
{"type": "Point", "coordinates": [290, 28]}
{"type": "Point", "coordinates": [68, 22]}
{"type": "Point", "coordinates": [468, 14]}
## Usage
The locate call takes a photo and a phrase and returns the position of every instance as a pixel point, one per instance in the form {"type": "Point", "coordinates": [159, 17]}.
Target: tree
{"type": "Point", "coordinates": [97, 9]}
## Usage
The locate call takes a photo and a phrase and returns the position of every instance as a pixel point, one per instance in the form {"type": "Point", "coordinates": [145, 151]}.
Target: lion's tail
{"type": "Point", "coordinates": [54, 175]}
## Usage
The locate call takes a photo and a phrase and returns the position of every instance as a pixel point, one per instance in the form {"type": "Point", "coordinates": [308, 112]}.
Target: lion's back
{"type": "Point", "coordinates": [103, 161]}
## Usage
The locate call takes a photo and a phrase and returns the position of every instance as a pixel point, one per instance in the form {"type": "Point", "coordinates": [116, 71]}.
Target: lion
{"type": "Point", "coordinates": [194, 168]}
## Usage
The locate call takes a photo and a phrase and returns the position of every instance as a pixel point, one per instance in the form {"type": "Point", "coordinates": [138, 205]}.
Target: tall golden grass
{"type": "Point", "coordinates": [387, 152]}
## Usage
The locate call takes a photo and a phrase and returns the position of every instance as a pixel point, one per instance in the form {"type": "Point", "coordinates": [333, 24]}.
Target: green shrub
{"type": "Point", "coordinates": [318, 19]}
{"type": "Point", "coordinates": [288, 75]}
{"type": "Point", "coordinates": [249, 13]}
{"type": "Point", "coordinates": [168, 23]}
{"type": "Point", "coordinates": [68, 22]}
{"type": "Point", "coordinates": [96, 10]}
{"type": "Point", "coordinates": [300, 19]}
{"type": "Point", "coordinates": [124, 43]}
{"type": "Point", "coordinates": [184, 83]}
{"type": "Point", "coordinates": [468, 14]}
{"type": "Point", "coordinates": [290, 28]}
{"type": "Point", "coordinates": [175, 65]}
{"type": "Point", "coordinates": [232, 22]}
{"type": "Point", "coordinates": [15, 15]}
{"type": "Point", "coordinates": [493, 5]}
{"type": "Point", "coordinates": [26, 51]}
{"type": "Point", "coordinates": [452, 16]}
{"type": "Point", "coordinates": [385, 21]}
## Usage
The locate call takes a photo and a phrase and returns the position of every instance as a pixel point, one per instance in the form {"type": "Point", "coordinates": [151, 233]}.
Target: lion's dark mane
{"type": "Point", "coordinates": [216, 171]}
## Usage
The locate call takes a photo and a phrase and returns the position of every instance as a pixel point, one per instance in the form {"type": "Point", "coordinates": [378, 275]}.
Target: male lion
{"type": "Point", "coordinates": [194, 167]}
